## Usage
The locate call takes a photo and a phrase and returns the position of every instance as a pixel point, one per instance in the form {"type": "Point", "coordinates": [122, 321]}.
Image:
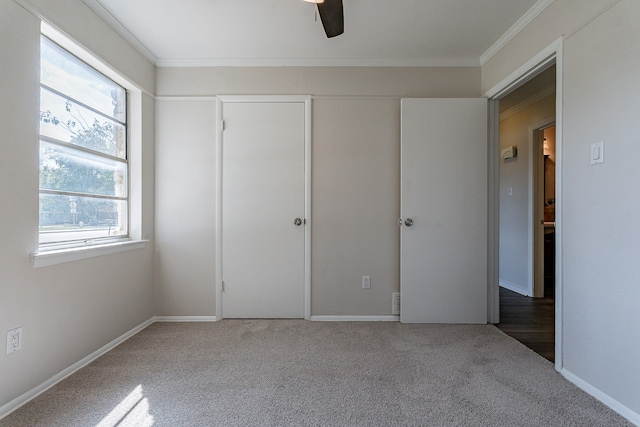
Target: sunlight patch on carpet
{"type": "Point", "coordinates": [132, 410]}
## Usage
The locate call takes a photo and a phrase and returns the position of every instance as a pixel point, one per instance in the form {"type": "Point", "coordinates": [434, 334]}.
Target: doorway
{"type": "Point", "coordinates": [263, 207]}
{"type": "Point", "coordinates": [527, 208]}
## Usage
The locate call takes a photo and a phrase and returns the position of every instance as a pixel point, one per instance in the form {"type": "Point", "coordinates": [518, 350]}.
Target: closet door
{"type": "Point", "coordinates": [444, 211]}
{"type": "Point", "coordinates": [263, 209]}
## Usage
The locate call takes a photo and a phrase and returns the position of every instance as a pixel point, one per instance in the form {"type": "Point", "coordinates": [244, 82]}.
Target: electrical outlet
{"type": "Point", "coordinates": [14, 340]}
{"type": "Point", "coordinates": [366, 282]}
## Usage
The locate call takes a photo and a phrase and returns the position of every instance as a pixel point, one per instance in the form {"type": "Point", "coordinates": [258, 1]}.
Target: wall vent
{"type": "Point", "coordinates": [395, 303]}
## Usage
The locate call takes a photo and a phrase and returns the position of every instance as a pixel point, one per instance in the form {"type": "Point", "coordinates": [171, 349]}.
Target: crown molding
{"type": "Point", "coordinates": [317, 62]}
{"type": "Point", "coordinates": [531, 14]}
{"type": "Point", "coordinates": [111, 20]}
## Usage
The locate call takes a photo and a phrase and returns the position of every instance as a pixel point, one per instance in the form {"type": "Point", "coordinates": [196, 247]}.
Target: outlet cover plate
{"type": "Point", "coordinates": [14, 340]}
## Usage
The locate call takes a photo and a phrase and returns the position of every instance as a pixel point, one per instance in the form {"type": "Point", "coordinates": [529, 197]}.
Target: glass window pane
{"type": "Point", "coordinates": [68, 169]}
{"type": "Point", "coordinates": [67, 74]}
{"type": "Point", "coordinates": [63, 120]}
{"type": "Point", "coordinates": [83, 150]}
{"type": "Point", "coordinates": [64, 218]}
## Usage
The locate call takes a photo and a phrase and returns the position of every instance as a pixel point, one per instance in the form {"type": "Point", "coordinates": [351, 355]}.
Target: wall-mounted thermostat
{"type": "Point", "coordinates": [509, 152]}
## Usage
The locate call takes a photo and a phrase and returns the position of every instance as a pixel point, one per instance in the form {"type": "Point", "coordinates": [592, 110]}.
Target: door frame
{"type": "Point", "coordinates": [536, 201]}
{"type": "Point", "coordinates": [220, 101]}
{"type": "Point", "coordinates": [544, 59]}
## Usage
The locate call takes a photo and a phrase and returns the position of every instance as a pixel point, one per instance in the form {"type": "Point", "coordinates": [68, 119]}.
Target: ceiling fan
{"type": "Point", "coordinates": [331, 15]}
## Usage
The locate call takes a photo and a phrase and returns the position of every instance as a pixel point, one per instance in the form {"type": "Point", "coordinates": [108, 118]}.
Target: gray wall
{"type": "Point", "coordinates": [601, 270]}
{"type": "Point", "coordinates": [355, 177]}
{"type": "Point", "coordinates": [67, 311]}
{"type": "Point", "coordinates": [601, 207]}
{"type": "Point", "coordinates": [185, 214]}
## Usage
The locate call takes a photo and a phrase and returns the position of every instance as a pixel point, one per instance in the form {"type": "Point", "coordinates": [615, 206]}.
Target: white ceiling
{"type": "Point", "coordinates": [283, 32]}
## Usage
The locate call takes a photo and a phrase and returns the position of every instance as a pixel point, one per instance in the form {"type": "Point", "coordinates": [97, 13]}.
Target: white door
{"type": "Point", "coordinates": [444, 198]}
{"type": "Point", "coordinates": [263, 209]}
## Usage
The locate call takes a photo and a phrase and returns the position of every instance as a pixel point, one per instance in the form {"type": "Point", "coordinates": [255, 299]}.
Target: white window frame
{"type": "Point", "coordinates": [42, 258]}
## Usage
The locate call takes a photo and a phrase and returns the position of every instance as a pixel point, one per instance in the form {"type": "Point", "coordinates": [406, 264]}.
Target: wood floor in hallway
{"type": "Point", "coordinates": [529, 320]}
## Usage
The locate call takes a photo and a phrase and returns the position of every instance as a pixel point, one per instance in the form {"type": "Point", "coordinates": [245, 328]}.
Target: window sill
{"type": "Point", "coordinates": [44, 259]}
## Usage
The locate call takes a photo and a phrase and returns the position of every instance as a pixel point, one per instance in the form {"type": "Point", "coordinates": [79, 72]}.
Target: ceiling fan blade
{"type": "Point", "coordinates": [332, 17]}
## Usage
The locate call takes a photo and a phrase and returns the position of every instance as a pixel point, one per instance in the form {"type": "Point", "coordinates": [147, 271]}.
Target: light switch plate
{"type": "Point", "coordinates": [366, 282]}
{"type": "Point", "coordinates": [597, 153]}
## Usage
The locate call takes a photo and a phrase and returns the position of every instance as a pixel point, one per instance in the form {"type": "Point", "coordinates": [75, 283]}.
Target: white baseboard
{"type": "Point", "coordinates": [515, 288]}
{"type": "Point", "coordinates": [184, 319]}
{"type": "Point", "coordinates": [612, 403]}
{"type": "Point", "coordinates": [36, 391]}
{"type": "Point", "coordinates": [355, 318]}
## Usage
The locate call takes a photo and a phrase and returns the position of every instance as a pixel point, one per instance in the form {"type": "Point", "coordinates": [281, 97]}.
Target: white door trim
{"type": "Point", "coordinates": [220, 101]}
{"type": "Point", "coordinates": [551, 54]}
{"type": "Point", "coordinates": [535, 194]}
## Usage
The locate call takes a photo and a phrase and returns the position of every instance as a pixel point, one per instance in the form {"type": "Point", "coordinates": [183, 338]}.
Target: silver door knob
{"type": "Point", "coordinates": [297, 221]}
{"type": "Point", "coordinates": [408, 222]}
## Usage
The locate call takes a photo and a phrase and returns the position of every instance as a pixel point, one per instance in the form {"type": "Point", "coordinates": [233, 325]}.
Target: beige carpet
{"type": "Point", "coordinates": [297, 373]}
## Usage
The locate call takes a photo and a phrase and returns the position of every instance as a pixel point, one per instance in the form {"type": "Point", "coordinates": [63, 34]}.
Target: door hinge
{"type": "Point", "coordinates": [223, 286]}
{"type": "Point", "coordinates": [222, 125]}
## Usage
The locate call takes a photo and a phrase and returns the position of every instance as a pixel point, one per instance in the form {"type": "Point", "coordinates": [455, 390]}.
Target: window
{"type": "Point", "coordinates": [84, 169]}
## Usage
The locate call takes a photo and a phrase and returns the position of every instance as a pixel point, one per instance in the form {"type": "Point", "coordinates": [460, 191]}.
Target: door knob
{"type": "Point", "coordinates": [297, 221]}
{"type": "Point", "coordinates": [408, 222]}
